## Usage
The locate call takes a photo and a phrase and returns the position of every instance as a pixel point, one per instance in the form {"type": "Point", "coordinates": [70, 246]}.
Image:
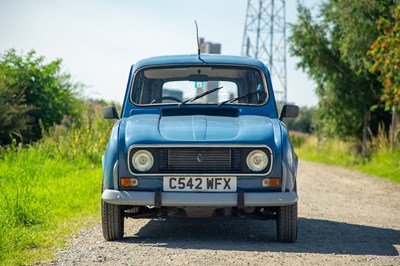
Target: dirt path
{"type": "Point", "coordinates": [344, 218]}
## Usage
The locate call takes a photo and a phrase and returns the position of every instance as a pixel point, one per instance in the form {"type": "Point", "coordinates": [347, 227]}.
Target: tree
{"type": "Point", "coordinates": [14, 112]}
{"type": "Point", "coordinates": [385, 54]}
{"type": "Point", "coordinates": [34, 95]}
{"type": "Point", "coordinates": [332, 50]}
{"type": "Point", "coordinates": [302, 123]}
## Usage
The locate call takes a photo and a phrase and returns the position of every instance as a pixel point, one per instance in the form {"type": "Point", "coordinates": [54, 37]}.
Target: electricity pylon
{"type": "Point", "coordinates": [264, 38]}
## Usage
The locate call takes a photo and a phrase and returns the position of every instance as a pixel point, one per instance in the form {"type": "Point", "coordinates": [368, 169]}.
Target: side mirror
{"type": "Point", "coordinates": [289, 110]}
{"type": "Point", "coordinates": [110, 112]}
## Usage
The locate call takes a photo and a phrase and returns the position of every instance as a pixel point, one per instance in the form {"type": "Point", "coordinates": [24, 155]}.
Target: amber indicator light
{"type": "Point", "coordinates": [271, 182]}
{"type": "Point", "coordinates": [126, 182]}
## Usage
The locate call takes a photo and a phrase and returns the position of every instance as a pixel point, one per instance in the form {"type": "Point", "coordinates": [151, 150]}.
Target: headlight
{"type": "Point", "coordinates": [257, 160]}
{"type": "Point", "coordinates": [142, 160]}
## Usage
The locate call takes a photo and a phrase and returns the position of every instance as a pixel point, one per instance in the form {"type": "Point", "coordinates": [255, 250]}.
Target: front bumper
{"type": "Point", "coordinates": [191, 199]}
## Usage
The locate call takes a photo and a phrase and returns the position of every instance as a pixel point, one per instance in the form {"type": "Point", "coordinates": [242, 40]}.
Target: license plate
{"type": "Point", "coordinates": [202, 184]}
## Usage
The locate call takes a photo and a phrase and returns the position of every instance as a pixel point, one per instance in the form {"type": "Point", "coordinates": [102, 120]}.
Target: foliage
{"type": "Point", "coordinates": [14, 112]}
{"type": "Point", "coordinates": [382, 162]}
{"type": "Point", "coordinates": [51, 187]}
{"type": "Point", "coordinates": [297, 139]}
{"type": "Point", "coordinates": [302, 123]}
{"type": "Point", "coordinates": [385, 53]}
{"type": "Point", "coordinates": [332, 50]}
{"type": "Point", "coordinates": [354, 26]}
{"type": "Point", "coordinates": [34, 95]}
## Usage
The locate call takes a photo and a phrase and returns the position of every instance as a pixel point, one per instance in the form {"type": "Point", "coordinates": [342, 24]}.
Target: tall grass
{"type": "Point", "coordinates": [383, 161]}
{"type": "Point", "coordinates": [50, 187]}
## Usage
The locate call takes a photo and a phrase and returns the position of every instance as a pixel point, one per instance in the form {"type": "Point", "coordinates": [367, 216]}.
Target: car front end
{"type": "Point", "coordinates": [199, 139]}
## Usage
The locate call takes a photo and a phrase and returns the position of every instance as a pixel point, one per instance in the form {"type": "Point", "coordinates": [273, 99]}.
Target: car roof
{"type": "Point", "coordinates": [204, 59]}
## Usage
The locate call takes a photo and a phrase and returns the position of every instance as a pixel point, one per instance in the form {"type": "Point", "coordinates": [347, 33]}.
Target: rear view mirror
{"type": "Point", "coordinates": [198, 77]}
{"type": "Point", "coordinates": [110, 112]}
{"type": "Point", "coordinates": [289, 111]}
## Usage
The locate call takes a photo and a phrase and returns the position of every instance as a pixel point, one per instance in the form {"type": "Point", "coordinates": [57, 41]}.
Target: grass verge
{"type": "Point", "coordinates": [382, 161]}
{"type": "Point", "coordinates": [50, 189]}
{"type": "Point", "coordinates": [42, 200]}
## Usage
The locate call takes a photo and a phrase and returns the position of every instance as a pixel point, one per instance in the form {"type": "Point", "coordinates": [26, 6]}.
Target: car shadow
{"type": "Point", "coordinates": [315, 236]}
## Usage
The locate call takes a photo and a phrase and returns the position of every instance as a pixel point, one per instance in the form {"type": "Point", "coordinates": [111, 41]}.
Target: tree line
{"type": "Point", "coordinates": [351, 49]}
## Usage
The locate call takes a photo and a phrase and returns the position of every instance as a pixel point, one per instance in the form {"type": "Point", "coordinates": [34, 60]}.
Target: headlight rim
{"type": "Point", "coordinates": [147, 153]}
{"type": "Point", "coordinates": [252, 166]}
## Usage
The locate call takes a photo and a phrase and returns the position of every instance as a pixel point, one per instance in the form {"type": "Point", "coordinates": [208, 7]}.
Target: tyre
{"type": "Point", "coordinates": [112, 221]}
{"type": "Point", "coordinates": [286, 223]}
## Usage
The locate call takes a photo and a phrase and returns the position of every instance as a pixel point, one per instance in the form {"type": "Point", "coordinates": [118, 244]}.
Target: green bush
{"type": "Point", "coordinates": [302, 123]}
{"type": "Point", "coordinates": [297, 139]}
{"type": "Point", "coordinates": [34, 95]}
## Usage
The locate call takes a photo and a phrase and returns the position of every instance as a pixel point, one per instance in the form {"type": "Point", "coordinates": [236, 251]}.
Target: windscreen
{"type": "Point", "coordinates": [199, 85]}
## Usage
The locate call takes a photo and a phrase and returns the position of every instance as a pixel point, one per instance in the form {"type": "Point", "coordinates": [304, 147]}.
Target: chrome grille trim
{"type": "Point", "coordinates": [204, 146]}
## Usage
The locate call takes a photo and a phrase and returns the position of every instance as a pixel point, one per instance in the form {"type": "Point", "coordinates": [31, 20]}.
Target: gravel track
{"type": "Point", "coordinates": [345, 217]}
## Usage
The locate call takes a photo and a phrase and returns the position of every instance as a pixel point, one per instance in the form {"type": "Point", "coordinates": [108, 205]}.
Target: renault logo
{"type": "Point", "coordinates": [199, 157]}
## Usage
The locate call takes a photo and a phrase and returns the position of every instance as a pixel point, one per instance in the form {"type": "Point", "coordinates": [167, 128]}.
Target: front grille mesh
{"type": "Point", "coordinates": [199, 160]}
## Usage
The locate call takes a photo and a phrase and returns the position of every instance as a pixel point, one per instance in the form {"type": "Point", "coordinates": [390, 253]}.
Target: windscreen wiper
{"type": "Point", "coordinates": [200, 95]}
{"type": "Point", "coordinates": [241, 97]}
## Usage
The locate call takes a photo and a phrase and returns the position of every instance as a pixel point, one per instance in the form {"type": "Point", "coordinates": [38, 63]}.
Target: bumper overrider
{"type": "Point", "coordinates": [190, 199]}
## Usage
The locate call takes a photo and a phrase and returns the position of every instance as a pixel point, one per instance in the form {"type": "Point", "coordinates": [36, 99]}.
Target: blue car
{"type": "Point", "coordinates": [199, 137]}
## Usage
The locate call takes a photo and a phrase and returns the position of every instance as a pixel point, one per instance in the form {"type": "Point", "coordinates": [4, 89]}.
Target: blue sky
{"type": "Point", "coordinates": [99, 40]}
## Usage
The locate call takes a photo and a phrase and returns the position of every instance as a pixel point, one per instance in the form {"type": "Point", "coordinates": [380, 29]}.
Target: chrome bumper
{"type": "Point", "coordinates": [187, 199]}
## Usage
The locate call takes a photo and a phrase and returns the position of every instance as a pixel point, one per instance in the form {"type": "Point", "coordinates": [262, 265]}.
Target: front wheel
{"type": "Point", "coordinates": [286, 223]}
{"type": "Point", "coordinates": [112, 220]}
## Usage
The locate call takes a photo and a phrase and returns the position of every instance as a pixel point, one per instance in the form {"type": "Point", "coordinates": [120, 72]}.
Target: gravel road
{"type": "Point", "coordinates": [344, 218]}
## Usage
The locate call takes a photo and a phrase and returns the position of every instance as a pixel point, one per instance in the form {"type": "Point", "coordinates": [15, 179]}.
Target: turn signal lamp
{"type": "Point", "coordinates": [271, 182]}
{"type": "Point", "coordinates": [129, 182]}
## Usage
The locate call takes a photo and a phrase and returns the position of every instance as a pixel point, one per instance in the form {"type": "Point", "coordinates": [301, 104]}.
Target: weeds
{"type": "Point", "coordinates": [50, 187]}
{"type": "Point", "coordinates": [297, 138]}
{"type": "Point", "coordinates": [383, 161]}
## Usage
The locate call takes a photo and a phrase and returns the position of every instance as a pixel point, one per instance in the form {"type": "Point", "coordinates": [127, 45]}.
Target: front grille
{"type": "Point", "coordinates": [199, 160]}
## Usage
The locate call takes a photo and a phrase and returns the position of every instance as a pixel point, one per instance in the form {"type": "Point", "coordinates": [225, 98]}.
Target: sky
{"type": "Point", "coordinates": [98, 40]}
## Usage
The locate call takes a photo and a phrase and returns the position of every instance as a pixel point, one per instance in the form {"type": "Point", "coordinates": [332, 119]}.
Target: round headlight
{"type": "Point", "coordinates": [257, 160]}
{"type": "Point", "coordinates": [142, 160]}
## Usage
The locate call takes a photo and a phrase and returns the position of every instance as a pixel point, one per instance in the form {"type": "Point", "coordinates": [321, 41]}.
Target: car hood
{"type": "Point", "coordinates": [194, 129]}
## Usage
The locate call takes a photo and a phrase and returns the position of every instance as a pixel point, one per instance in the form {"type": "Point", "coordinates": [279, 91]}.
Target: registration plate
{"type": "Point", "coordinates": [202, 184]}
